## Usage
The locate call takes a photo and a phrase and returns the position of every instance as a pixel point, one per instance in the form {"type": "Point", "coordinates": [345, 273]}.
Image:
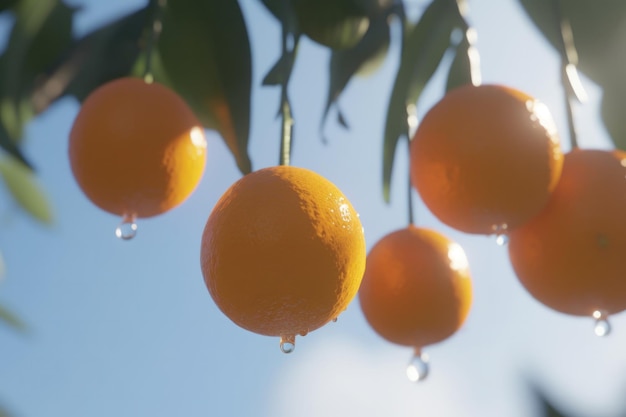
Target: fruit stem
{"type": "Point", "coordinates": [289, 49]}
{"type": "Point", "coordinates": [572, 87]}
{"type": "Point", "coordinates": [410, 187]}
{"type": "Point", "coordinates": [155, 30]}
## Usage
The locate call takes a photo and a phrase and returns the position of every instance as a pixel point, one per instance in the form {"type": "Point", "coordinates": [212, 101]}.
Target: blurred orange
{"type": "Point", "coordinates": [136, 149]}
{"type": "Point", "coordinates": [485, 159]}
{"type": "Point", "coordinates": [571, 256]}
{"type": "Point", "coordinates": [417, 288]}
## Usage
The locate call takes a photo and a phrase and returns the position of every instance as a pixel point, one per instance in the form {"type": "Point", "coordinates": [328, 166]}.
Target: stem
{"type": "Point", "coordinates": [155, 31]}
{"type": "Point", "coordinates": [289, 48]}
{"type": "Point", "coordinates": [569, 97]}
{"type": "Point", "coordinates": [569, 58]}
{"type": "Point", "coordinates": [286, 132]}
{"type": "Point", "coordinates": [410, 186]}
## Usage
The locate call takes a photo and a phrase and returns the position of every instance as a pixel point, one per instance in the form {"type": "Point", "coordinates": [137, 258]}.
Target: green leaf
{"type": "Point", "coordinates": [598, 38]}
{"type": "Point", "coordinates": [105, 54]}
{"type": "Point", "coordinates": [612, 113]}
{"type": "Point", "coordinates": [284, 11]}
{"type": "Point", "coordinates": [206, 53]}
{"type": "Point", "coordinates": [464, 68]}
{"type": "Point", "coordinates": [7, 143]}
{"type": "Point", "coordinates": [337, 24]}
{"type": "Point", "coordinates": [598, 32]}
{"type": "Point", "coordinates": [42, 30]}
{"type": "Point", "coordinates": [11, 320]}
{"type": "Point", "coordinates": [6, 5]}
{"type": "Point", "coordinates": [346, 63]}
{"type": "Point", "coordinates": [23, 186]}
{"type": "Point", "coordinates": [424, 46]}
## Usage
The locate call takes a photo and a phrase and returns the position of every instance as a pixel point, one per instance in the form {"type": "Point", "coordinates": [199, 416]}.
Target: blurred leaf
{"type": "Point", "coordinates": [612, 112]}
{"type": "Point", "coordinates": [423, 48]}
{"type": "Point", "coordinates": [11, 147]}
{"type": "Point", "coordinates": [101, 56]}
{"type": "Point", "coordinates": [599, 35]}
{"type": "Point", "coordinates": [276, 75]}
{"type": "Point", "coordinates": [42, 30]}
{"type": "Point", "coordinates": [465, 65]}
{"type": "Point", "coordinates": [22, 184]}
{"type": "Point", "coordinates": [284, 12]}
{"type": "Point", "coordinates": [342, 120]}
{"type": "Point", "coordinates": [5, 5]}
{"type": "Point", "coordinates": [11, 320]}
{"type": "Point", "coordinates": [598, 30]}
{"type": "Point", "coordinates": [547, 408]}
{"type": "Point", "coordinates": [345, 63]}
{"type": "Point", "coordinates": [337, 24]}
{"type": "Point", "coordinates": [206, 53]}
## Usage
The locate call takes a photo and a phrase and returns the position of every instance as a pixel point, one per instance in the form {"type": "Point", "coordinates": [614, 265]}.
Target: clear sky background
{"type": "Point", "coordinates": [128, 328]}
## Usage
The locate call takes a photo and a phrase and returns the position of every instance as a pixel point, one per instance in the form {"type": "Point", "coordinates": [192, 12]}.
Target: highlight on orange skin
{"type": "Point", "coordinates": [570, 257]}
{"type": "Point", "coordinates": [283, 252]}
{"type": "Point", "coordinates": [486, 158]}
{"type": "Point", "coordinates": [417, 289]}
{"type": "Point", "coordinates": [136, 149]}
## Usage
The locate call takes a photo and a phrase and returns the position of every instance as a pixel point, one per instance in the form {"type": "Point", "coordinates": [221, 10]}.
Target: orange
{"type": "Point", "coordinates": [283, 252]}
{"type": "Point", "coordinates": [136, 149]}
{"type": "Point", "coordinates": [416, 290]}
{"type": "Point", "coordinates": [485, 159]}
{"type": "Point", "coordinates": [571, 256]}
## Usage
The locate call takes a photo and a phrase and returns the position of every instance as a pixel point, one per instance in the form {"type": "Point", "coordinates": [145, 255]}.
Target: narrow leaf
{"type": "Point", "coordinates": [345, 63]}
{"type": "Point", "coordinates": [42, 31]}
{"type": "Point", "coordinates": [596, 31]}
{"type": "Point", "coordinates": [612, 112]}
{"type": "Point", "coordinates": [10, 147]}
{"type": "Point", "coordinates": [465, 65]}
{"type": "Point", "coordinates": [342, 120]}
{"type": "Point", "coordinates": [101, 56]}
{"type": "Point", "coordinates": [6, 5]}
{"type": "Point", "coordinates": [423, 48]}
{"type": "Point", "coordinates": [206, 53]}
{"type": "Point", "coordinates": [23, 186]}
{"type": "Point", "coordinates": [276, 75]}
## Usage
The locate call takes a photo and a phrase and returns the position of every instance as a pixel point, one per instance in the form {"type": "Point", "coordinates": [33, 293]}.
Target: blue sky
{"type": "Point", "coordinates": [128, 328]}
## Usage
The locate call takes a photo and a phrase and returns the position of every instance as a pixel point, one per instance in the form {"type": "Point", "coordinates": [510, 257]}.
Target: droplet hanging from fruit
{"type": "Point", "coordinates": [416, 291]}
{"type": "Point", "coordinates": [570, 257]}
{"type": "Point", "coordinates": [136, 150]}
{"type": "Point", "coordinates": [283, 253]}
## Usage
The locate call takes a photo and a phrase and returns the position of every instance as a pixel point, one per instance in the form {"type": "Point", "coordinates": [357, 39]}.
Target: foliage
{"type": "Point", "coordinates": [44, 61]}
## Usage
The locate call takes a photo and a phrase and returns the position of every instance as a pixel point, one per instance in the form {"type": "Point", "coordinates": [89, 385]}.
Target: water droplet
{"type": "Point", "coordinates": [127, 229]}
{"type": "Point", "coordinates": [602, 327]}
{"type": "Point", "coordinates": [502, 240]}
{"type": "Point", "coordinates": [287, 344]}
{"type": "Point", "coordinates": [501, 230]}
{"type": "Point", "coordinates": [418, 367]}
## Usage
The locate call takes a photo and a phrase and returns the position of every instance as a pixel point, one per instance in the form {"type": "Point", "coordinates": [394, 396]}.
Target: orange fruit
{"type": "Point", "coordinates": [416, 290]}
{"type": "Point", "coordinates": [485, 159]}
{"type": "Point", "coordinates": [571, 256]}
{"type": "Point", "coordinates": [283, 252]}
{"type": "Point", "coordinates": [136, 149]}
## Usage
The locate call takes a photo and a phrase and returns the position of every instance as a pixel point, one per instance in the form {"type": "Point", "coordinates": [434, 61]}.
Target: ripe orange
{"type": "Point", "coordinates": [136, 149]}
{"type": "Point", "coordinates": [283, 252]}
{"type": "Point", "coordinates": [485, 159]}
{"type": "Point", "coordinates": [571, 256]}
{"type": "Point", "coordinates": [416, 290]}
